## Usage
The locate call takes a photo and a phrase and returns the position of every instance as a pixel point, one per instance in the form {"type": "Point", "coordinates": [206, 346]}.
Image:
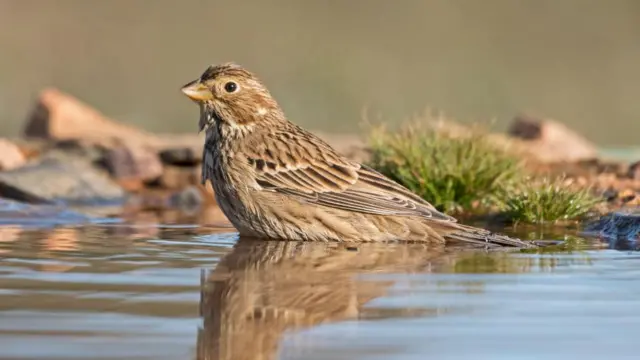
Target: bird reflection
{"type": "Point", "coordinates": [263, 288]}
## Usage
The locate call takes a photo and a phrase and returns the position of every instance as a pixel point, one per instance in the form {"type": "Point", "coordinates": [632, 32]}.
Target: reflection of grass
{"type": "Point", "coordinates": [469, 173]}
{"type": "Point", "coordinates": [453, 173]}
{"type": "Point", "coordinates": [542, 259]}
{"type": "Point", "coordinates": [548, 201]}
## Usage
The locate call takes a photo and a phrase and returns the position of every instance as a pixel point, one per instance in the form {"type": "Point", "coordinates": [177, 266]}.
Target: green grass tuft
{"type": "Point", "coordinates": [472, 174]}
{"type": "Point", "coordinates": [548, 201]}
{"type": "Point", "coordinates": [454, 173]}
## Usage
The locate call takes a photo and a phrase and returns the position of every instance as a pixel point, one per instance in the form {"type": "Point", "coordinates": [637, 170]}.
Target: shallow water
{"type": "Point", "coordinates": [120, 291]}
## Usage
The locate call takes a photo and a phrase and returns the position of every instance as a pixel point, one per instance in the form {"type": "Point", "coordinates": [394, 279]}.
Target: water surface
{"type": "Point", "coordinates": [148, 291]}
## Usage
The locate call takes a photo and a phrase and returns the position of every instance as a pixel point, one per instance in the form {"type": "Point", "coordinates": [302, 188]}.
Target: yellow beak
{"type": "Point", "coordinates": [197, 91]}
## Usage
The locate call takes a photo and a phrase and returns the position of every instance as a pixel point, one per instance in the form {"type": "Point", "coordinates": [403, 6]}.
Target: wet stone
{"type": "Point", "coordinates": [623, 224]}
{"type": "Point", "coordinates": [60, 178]}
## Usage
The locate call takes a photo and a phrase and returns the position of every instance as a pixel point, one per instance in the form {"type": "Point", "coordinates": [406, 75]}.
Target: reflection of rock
{"type": "Point", "coordinates": [65, 178]}
{"type": "Point", "coordinates": [551, 141]}
{"type": "Point", "coordinates": [264, 288]}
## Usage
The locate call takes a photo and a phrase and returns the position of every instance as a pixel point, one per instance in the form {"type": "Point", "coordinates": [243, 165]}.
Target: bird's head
{"type": "Point", "coordinates": [232, 96]}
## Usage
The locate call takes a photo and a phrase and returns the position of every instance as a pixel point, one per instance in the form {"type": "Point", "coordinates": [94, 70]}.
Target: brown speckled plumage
{"type": "Point", "coordinates": [273, 179]}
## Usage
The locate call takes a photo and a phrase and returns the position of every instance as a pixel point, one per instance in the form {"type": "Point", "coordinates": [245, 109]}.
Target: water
{"type": "Point", "coordinates": [122, 291]}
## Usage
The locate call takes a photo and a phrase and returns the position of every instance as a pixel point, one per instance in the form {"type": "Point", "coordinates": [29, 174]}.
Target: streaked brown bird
{"type": "Point", "coordinates": [275, 180]}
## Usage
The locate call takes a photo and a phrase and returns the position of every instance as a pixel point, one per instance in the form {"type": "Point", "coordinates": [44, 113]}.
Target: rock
{"type": "Point", "coordinates": [551, 141]}
{"type": "Point", "coordinates": [11, 156]}
{"type": "Point", "coordinates": [180, 149]}
{"type": "Point", "coordinates": [133, 166]}
{"type": "Point", "coordinates": [78, 148]}
{"type": "Point", "coordinates": [31, 148]}
{"type": "Point", "coordinates": [59, 177]}
{"type": "Point", "coordinates": [184, 156]}
{"type": "Point", "coordinates": [60, 116]}
{"type": "Point", "coordinates": [147, 200]}
{"type": "Point", "coordinates": [190, 200]}
{"type": "Point", "coordinates": [208, 194]}
{"type": "Point", "coordinates": [623, 224]}
{"type": "Point", "coordinates": [634, 171]}
{"type": "Point", "coordinates": [179, 177]}
{"type": "Point", "coordinates": [212, 215]}
{"type": "Point", "coordinates": [610, 194]}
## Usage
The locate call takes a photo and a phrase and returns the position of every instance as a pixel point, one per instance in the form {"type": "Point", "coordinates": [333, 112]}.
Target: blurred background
{"type": "Point", "coordinates": [573, 60]}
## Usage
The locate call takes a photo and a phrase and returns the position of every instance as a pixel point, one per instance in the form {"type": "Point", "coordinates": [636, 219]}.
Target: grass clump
{"type": "Point", "coordinates": [548, 201]}
{"type": "Point", "coordinates": [472, 172]}
{"type": "Point", "coordinates": [454, 173]}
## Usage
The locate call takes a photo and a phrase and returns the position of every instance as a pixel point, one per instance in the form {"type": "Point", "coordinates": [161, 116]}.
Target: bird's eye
{"type": "Point", "coordinates": [230, 87]}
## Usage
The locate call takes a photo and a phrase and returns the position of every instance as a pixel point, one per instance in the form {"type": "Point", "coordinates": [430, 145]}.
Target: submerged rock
{"type": "Point", "coordinates": [619, 225]}
{"type": "Point", "coordinates": [58, 177]}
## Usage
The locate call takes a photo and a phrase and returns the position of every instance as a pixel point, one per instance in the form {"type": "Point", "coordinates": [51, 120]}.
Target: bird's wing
{"type": "Point", "coordinates": [301, 165]}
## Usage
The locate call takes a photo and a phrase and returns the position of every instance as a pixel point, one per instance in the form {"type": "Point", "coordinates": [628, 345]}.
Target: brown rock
{"type": "Point", "coordinates": [213, 216]}
{"type": "Point", "coordinates": [190, 145]}
{"type": "Point", "coordinates": [132, 166]}
{"type": "Point", "coordinates": [179, 177]}
{"type": "Point", "coordinates": [60, 116]}
{"type": "Point", "coordinates": [184, 156]}
{"type": "Point", "coordinates": [31, 148]}
{"type": "Point", "coordinates": [551, 141]}
{"type": "Point", "coordinates": [10, 155]}
{"type": "Point", "coordinates": [634, 171]}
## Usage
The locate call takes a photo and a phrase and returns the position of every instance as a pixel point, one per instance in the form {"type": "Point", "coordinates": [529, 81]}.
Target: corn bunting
{"type": "Point", "coordinates": [273, 179]}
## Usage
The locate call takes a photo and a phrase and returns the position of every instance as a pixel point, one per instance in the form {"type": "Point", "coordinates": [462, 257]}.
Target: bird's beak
{"type": "Point", "coordinates": [197, 91]}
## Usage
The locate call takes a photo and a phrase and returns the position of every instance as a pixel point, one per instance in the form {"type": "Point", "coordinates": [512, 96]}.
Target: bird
{"type": "Point", "coordinates": [275, 180]}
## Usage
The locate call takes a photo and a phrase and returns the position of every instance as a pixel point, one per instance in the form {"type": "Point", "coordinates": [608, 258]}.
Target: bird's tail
{"type": "Point", "coordinates": [475, 235]}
